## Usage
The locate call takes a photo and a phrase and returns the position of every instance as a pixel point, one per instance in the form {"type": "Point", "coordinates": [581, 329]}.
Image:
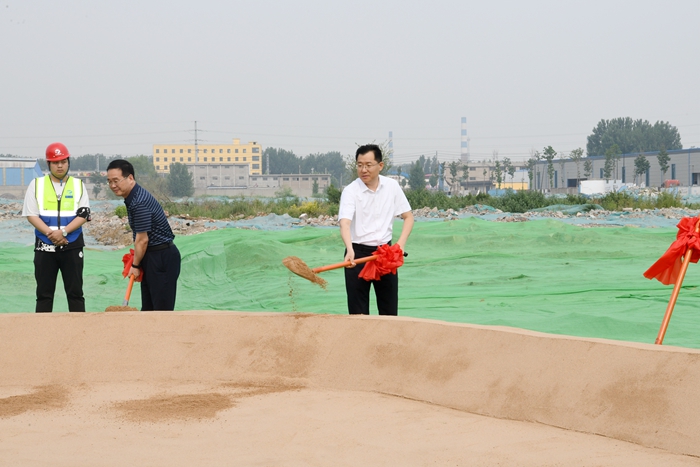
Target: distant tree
{"type": "Point", "coordinates": [333, 194]}
{"type": "Point", "coordinates": [531, 167]}
{"type": "Point", "coordinates": [90, 162]}
{"type": "Point", "coordinates": [611, 156]}
{"type": "Point", "coordinates": [641, 165]}
{"type": "Point", "coordinates": [508, 167]}
{"type": "Point", "coordinates": [663, 159]}
{"type": "Point", "coordinates": [143, 166]}
{"type": "Point", "coordinates": [180, 181]}
{"type": "Point", "coordinates": [538, 157]}
{"type": "Point", "coordinates": [453, 180]}
{"type": "Point", "coordinates": [499, 174]}
{"type": "Point", "coordinates": [433, 179]}
{"type": "Point", "coordinates": [576, 156]}
{"type": "Point", "coordinates": [97, 180]}
{"type": "Point", "coordinates": [549, 154]}
{"type": "Point", "coordinates": [330, 162]}
{"type": "Point", "coordinates": [314, 187]}
{"type": "Point", "coordinates": [631, 136]}
{"type": "Point", "coordinates": [416, 181]}
{"type": "Point", "coordinates": [281, 161]}
{"type": "Point", "coordinates": [562, 166]}
{"type": "Point", "coordinates": [588, 168]}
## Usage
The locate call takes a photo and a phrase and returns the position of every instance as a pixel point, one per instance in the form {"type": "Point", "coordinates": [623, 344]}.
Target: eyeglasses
{"type": "Point", "coordinates": [115, 182]}
{"type": "Point", "coordinates": [365, 166]}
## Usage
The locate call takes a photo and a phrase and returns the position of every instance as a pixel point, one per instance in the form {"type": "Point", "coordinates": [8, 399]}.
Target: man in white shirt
{"type": "Point", "coordinates": [368, 207]}
{"type": "Point", "coordinates": [57, 205]}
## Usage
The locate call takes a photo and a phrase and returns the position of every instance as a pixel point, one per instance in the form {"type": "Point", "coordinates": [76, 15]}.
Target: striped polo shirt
{"type": "Point", "coordinates": [146, 215]}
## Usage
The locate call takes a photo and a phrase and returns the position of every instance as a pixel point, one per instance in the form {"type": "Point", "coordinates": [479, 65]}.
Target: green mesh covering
{"type": "Point", "coordinates": [540, 275]}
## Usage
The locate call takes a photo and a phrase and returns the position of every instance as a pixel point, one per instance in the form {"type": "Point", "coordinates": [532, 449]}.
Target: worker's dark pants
{"type": "Point", "coordinates": [46, 267]}
{"type": "Point", "coordinates": [161, 269]}
{"type": "Point", "coordinates": [386, 290]}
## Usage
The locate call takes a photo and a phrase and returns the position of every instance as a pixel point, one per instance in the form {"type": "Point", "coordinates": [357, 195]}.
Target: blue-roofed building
{"type": "Point", "coordinates": [16, 174]}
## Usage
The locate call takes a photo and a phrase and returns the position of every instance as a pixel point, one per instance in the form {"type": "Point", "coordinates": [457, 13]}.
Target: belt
{"type": "Point", "coordinates": [162, 246]}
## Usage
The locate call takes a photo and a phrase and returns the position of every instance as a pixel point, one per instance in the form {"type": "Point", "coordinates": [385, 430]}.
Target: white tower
{"type": "Point", "coordinates": [464, 147]}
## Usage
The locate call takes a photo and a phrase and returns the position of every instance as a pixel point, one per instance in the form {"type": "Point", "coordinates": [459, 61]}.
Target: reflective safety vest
{"type": "Point", "coordinates": [55, 212]}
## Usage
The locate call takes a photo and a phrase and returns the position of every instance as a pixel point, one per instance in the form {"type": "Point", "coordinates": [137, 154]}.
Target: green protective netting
{"type": "Point", "coordinates": [540, 275]}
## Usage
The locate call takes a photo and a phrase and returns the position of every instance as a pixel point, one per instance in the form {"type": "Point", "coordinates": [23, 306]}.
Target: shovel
{"type": "Point", "coordinates": [125, 304]}
{"type": "Point", "coordinates": [300, 268]}
{"type": "Point", "coordinates": [127, 296]}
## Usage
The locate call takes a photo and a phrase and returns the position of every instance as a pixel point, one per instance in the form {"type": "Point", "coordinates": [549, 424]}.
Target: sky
{"type": "Point", "coordinates": [314, 76]}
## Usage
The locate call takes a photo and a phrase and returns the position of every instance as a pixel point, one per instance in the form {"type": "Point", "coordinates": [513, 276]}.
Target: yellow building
{"type": "Point", "coordinates": [207, 155]}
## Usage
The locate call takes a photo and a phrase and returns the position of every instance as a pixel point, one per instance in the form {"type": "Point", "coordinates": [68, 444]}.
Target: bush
{"type": "Point", "coordinates": [333, 194]}
{"type": "Point", "coordinates": [521, 201]}
{"type": "Point", "coordinates": [120, 211]}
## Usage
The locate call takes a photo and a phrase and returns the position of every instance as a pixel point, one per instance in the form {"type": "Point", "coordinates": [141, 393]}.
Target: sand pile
{"type": "Point", "coordinates": [225, 388]}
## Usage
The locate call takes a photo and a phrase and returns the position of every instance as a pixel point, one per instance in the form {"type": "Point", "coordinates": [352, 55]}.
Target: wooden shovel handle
{"type": "Point", "coordinates": [344, 264]}
{"type": "Point", "coordinates": [128, 291]}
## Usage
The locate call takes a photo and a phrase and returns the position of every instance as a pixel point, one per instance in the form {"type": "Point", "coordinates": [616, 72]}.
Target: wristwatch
{"type": "Point", "coordinates": [63, 231]}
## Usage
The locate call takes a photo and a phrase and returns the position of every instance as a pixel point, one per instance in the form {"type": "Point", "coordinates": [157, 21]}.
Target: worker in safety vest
{"type": "Point", "coordinates": [57, 205]}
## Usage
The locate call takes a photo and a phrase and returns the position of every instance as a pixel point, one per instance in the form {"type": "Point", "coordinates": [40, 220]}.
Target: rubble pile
{"type": "Point", "coordinates": [107, 229]}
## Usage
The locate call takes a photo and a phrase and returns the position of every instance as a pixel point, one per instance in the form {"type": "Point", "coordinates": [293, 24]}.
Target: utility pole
{"type": "Point", "coordinates": [196, 148]}
{"type": "Point", "coordinates": [196, 155]}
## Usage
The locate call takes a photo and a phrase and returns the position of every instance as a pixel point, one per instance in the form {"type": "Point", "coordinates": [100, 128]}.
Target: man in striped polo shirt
{"type": "Point", "coordinates": [156, 258]}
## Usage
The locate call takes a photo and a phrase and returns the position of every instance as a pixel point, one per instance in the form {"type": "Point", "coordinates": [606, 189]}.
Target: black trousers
{"type": "Point", "coordinates": [161, 269]}
{"type": "Point", "coordinates": [46, 267]}
{"type": "Point", "coordinates": [386, 290]}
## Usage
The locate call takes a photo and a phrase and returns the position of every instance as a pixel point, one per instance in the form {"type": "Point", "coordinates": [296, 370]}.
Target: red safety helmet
{"type": "Point", "coordinates": [56, 152]}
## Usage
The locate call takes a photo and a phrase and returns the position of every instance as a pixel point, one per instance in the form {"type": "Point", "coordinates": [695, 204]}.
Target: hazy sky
{"type": "Point", "coordinates": [314, 76]}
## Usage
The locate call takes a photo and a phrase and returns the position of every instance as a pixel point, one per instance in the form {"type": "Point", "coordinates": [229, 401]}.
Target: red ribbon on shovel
{"type": "Point", "coordinates": [128, 260]}
{"type": "Point", "coordinates": [389, 258]}
{"type": "Point", "coordinates": [669, 269]}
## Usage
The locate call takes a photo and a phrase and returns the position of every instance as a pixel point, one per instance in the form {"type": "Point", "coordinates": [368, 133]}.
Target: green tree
{"type": "Point", "coordinates": [143, 167]}
{"type": "Point", "coordinates": [281, 161]}
{"type": "Point", "coordinates": [499, 174]}
{"type": "Point", "coordinates": [663, 159]}
{"type": "Point", "coordinates": [333, 194]}
{"type": "Point", "coordinates": [611, 156]}
{"type": "Point", "coordinates": [576, 156]}
{"type": "Point", "coordinates": [588, 168]}
{"type": "Point", "coordinates": [416, 180]}
{"type": "Point", "coordinates": [330, 162]}
{"type": "Point", "coordinates": [433, 179]}
{"type": "Point", "coordinates": [562, 175]}
{"type": "Point", "coordinates": [631, 136]}
{"type": "Point", "coordinates": [538, 157]}
{"type": "Point", "coordinates": [453, 179]}
{"type": "Point", "coordinates": [549, 154]}
{"type": "Point", "coordinates": [314, 187]}
{"type": "Point", "coordinates": [531, 168]}
{"type": "Point", "coordinates": [180, 181]}
{"type": "Point", "coordinates": [508, 167]}
{"type": "Point", "coordinates": [90, 162]}
{"type": "Point", "coordinates": [641, 165]}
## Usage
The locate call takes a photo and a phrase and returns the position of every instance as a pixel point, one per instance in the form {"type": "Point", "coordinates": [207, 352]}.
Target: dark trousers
{"type": "Point", "coordinates": [46, 267]}
{"type": "Point", "coordinates": [386, 290]}
{"type": "Point", "coordinates": [161, 269]}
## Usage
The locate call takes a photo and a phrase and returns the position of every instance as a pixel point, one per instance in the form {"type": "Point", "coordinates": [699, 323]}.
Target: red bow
{"type": "Point", "coordinates": [388, 259]}
{"type": "Point", "coordinates": [128, 260]}
{"type": "Point", "coordinates": [667, 268]}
